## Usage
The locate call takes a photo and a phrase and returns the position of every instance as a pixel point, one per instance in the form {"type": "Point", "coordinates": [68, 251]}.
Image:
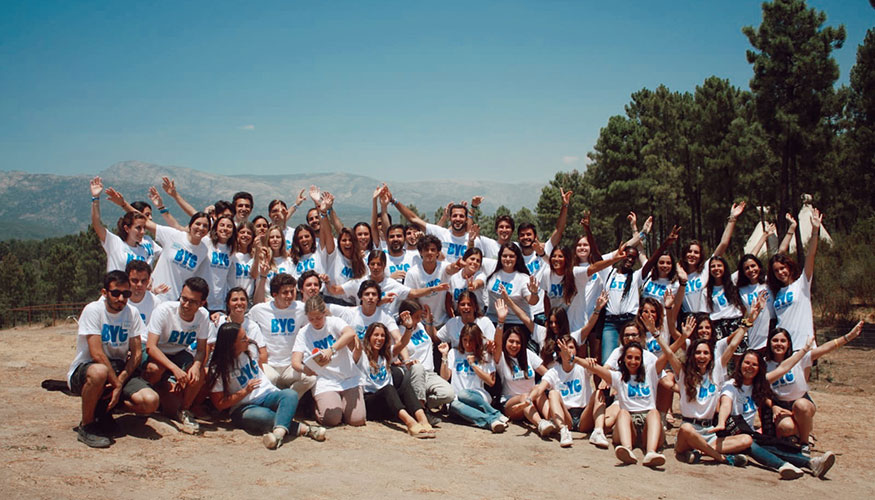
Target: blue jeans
{"type": "Point", "coordinates": [610, 337]}
{"type": "Point", "coordinates": [276, 409]}
{"type": "Point", "coordinates": [471, 406]}
{"type": "Point", "coordinates": [774, 457]}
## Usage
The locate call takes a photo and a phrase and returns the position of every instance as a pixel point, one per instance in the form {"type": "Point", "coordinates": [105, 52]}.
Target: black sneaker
{"type": "Point", "coordinates": [90, 435]}
{"type": "Point", "coordinates": [108, 426]}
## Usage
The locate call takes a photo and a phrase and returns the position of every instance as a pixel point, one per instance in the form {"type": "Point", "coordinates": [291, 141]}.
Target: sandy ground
{"type": "Point", "coordinates": [41, 457]}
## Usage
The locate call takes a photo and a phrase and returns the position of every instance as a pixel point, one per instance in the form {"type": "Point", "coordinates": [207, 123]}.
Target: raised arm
{"type": "Point", "coordinates": [169, 186]}
{"type": "Point", "coordinates": [444, 349]}
{"type": "Point", "coordinates": [377, 237]}
{"type": "Point", "coordinates": [784, 248]}
{"type": "Point", "coordinates": [789, 363]}
{"type": "Point", "coordinates": [768, 230]}
{"type": "Point", "coordinates": [816, 221]}
{"type": "Point", "coordinates": [746, 324]}
{"type": "Point", "coordinates": [592, 365]}
{"type": "Point", "coordinates": [406, 212]}
{"type": "Point", "coordinates": [514, 308]}
{"type": "Point", "coordinates": [593, 245]}
{"type": "Point", "coordinates": [326, 235]}
{"type": "Point", "coordinates": [416, 293]}
{"type": "Point", "coordinates": [600, 303]}
{"type": "Point", "coordinates": [556, 235]}
{"type": "Point", "coordinates": [672, 237]}
{"type": "Point", "coordinates": [408, 326]}
{"type": "Point", "coordinates": [837, 342]}
{"type": "Point", "coordinates": [442, 222]}
{"type": "Point", "coordinates": [671, 357]}
{"type": "Point", "coordinates": [155, 198]}
{"type": "Point", "coordinates": [96, 189]}
{"type": "Point", "coordinates": [737, 209]}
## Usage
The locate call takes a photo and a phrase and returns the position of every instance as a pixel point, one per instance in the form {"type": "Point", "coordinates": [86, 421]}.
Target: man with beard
{"type": "Point", "coordinates": [454, 241]}
{"type": "Point", "coordinates": [400, 259]}
{"type": "Point", "coordinates": [243, 203]}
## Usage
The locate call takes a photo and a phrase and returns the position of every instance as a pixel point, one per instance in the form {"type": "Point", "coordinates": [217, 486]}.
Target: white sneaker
{"type": "Point", "coordinates": [653, 459]}
{"type": "Point", "coordinates": [271, 441]}
{"type": "Point", "coordinates": [789, 471]}
{"type": "Point", "coordinates": [565, 439]}
{"type": "Point", "coordinates": [546, 428]}
{"type": "Point", "coordinates": [822, 464]}
{"type": "Point", "coordinates": [625, 455]}
{"type": "Point", "coordinates": [597, 437]}
{"type": "Point", "coordinates": [497, 426]}
{"type": "Point", "coordinates": [504, 419]}
{"type": "Point", "coordinates": [189, 424]}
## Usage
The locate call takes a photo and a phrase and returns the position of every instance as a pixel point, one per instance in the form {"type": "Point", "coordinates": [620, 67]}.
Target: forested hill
{"type": "Point", "coordinates": [38, 206]}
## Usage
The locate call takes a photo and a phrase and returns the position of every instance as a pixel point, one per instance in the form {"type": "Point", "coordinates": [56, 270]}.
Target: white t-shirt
{"type": "Point", "coordinates": [516, 285]}
{"type": "Point", "coordinates": [721, 308]}
{"type": "Point", "coordinates": [459, 284]}
{"type": "Point", "coordinates": [539, 335]}
{"type": "Point", "coordinates": [551, 283]}
{"type": "Point", "coordinates": [240, 272]}
{"type": "Point", "coordinates": [574, 386]}
{"type": "Point", "coordinates": [792, 385]}
{"type": "Point", "coordinates": [216, 273]}
{"type": "Point", "coordinates": [635, 396]}
{"type": "Point", "coordinates": [536, 265]}
{"type": "Point", "coordinates": [145, 308]}
{"type": "Point", "coordinates": [281, 265]}
{"type": "Point", "coordinates": [179, 260]}
{"type": "Point", "coordinates": [707, 393]}
{"type": "Point", "coordinates": [253, 332]}
{"type": "Point", "coordinates": [742, 401]}
{"type": "Point", "coordinates": [759, 333]}
{"type": "Point", "coordinates": [387, 286]}
{"type": "Point", "coordinates": [792, 307]}
{"type": "Point", "coordinates": [463, 375]}
{"type": "Point", "coordinates": [119, 253]}
{"type": "Point", "coordinates": [279, 328]}
{"type": "Point", "coordinates": [313, 261]}
{"type": "Point", "coordinates": [354, 317]}
{"type": "Point", "coordinates": [656, 288]}
{"type": "Point", "coordinates": [341, 372]}
{"type": "Point", "coordinates": [513, 380]}
{"type": "Point", "coordinates": [588, 290]}
{"type": "Point", "coordinates": [339, 270]}
{"type": "Point", "coordinates": [175, 334]}
{"type": "Point", "coordinates": [613, 361]}
{"type": "Point", "coordinates": [374, 380]}
{"type": "Point", "coordinates": [115, 331]}
{"type": "Point", "coordinates": [245, 369]}
{"type": "Point", "coordinates": [418, 277]}
{"type": "Point", "coordinates": [152, 248]}
{"type": "Point", "coordinates": [616, 284]}
{"type": "Point", "coordinates": [452, 330]}
{"type": "Point", "coordinates": [420, 347]}
{"type": "Point", "coordinates": [403, 262]}
{"type": "Point", "coordinates": [454, 247]}
{"type": "Point", "coordinates": [693, 292]}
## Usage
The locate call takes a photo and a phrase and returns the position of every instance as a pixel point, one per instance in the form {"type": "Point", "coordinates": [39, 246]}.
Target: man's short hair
{"type": "Point", "coordinates": [138, 265]}
{"type": "Point", "coordinates": [244, 195]}
{"type": "Point", "coordinates": [222, 205]}
{"type": "Point", "coordinates": [505, 218]}
{"type": "Point", "coordinates": [116, 276]}
{"type": "Point", "coordinates": [524, 226]}
{"type": "Point", "coordinates": [281, 280]}
{"type": "Point", "coordinates": [199, 285]}
{"type": "Point", "coordinates": [369, 284]}
{"type": "Point", "coordinates": [426, 240]}
{"type": "Point", "coordinates": [457, 206]}
{"type": "Point", "coordinates": [394, 227]}
{"type": "Point", "coordinates": [307, 275]}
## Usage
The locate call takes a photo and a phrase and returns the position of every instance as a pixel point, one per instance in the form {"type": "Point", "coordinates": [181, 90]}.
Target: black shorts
{"type": "Point", "coordinates": [131, 387]}
{"type": "Point", "coordinates": [183, 359]}
{"type": "Point", "coordinates": [788, 405]}
{"type": "Point", "coordinates": [575, 413]}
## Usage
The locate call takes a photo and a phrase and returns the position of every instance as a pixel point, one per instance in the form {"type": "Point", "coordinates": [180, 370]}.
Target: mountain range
{"type": "Point", "coordinates": [37, 206]}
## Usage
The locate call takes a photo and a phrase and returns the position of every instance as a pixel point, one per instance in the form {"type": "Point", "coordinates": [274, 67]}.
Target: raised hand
{"type": "Point", "coordinates": [668, 299]}
{"type": "Point", "coordinates": [115, 197]}
{"type": "Point", "coordinates": [816, 219]}
{"type": "Point", "coordinates": [679, 269]}
{"type": "Point", "coordinates": [96, 187]}
{"type": "Point", "coordinates": [566, 196]}
{"type": "Point", "coordinates": [533, 284]}
{"type": "Point", "coordinates": [688, 326]}
{"type": "Point", "coordinates": [501, 310]}
{"type": "Point", "coordinates": [443, 348]}
{"type": "Point", "coordinates": [155, 197]}
{"type": "Point", "coordinates": [633, 221]}
{"type": "Point", "coordinates": [315, 195]}
{"type": "Point", "coordinates": [584, 221]}
{"type": "Point", "coordinates": [327, 201]}
{"type": "Point", "coordinates": [602, 300]}
{"type": "Point", "coordinates": [476, 201]}
{"type": "Point", "coordinates": [737, 209]}
{"type": "Point", "coordinates": [790, 219]}
{"type": "Point", "coordinates": [770, 228]}
{"type": "Point", "coordinates": [427, 314]}
{"type": "Point", "coordinates": [648, 224]}
{"type": "Point", "coordinates": [169, 186]}
{"type": "Point", "coordinates": [406, 320]}
{"type": "Point", "coordinates": [674, 234]}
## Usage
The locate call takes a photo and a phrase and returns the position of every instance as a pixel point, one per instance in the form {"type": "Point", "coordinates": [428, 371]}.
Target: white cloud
{"type": "Point", "coordinates": [568, 160]}
{"type": "Point", "coordinates": [247, 127]}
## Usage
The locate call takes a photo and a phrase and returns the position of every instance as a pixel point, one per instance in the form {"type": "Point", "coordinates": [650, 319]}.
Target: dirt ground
{"type": "Point", "coordinates": [41, 457]}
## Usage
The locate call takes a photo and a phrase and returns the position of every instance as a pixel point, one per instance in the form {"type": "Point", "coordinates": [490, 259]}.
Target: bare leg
{"type": "Point", "coordinates": [95, 382]}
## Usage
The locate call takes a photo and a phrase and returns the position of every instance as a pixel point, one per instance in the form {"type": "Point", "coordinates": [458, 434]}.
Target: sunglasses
{"type": "Point", "coordinates": [117, 293]}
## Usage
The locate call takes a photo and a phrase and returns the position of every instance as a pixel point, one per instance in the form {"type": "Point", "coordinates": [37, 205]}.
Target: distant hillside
{"type": "Point", "coordinates": [37, 206]}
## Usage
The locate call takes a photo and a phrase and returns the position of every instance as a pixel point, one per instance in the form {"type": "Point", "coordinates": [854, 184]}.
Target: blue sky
{"type": "Point", "coordinates": [395, 90]}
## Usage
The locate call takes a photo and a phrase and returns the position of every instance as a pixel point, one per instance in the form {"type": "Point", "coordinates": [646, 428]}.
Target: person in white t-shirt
{"type": "Point", "coordinates": [517, 366]}
{"type": "Point", "coordinates": [388, 393]}
{"type": "Point", "coordinates": [323, 349]}
{"type": "Point", "coordinates": [236, 305]}
{"type": "Point", "coordinates": [454, 240]}
{"type": "Point", "coordinates": [700, 379]}
{"type": "Point", "coordinates": [722, 300]}
{"type": "Point", "coordinates": [792, 407]}
{"type": "Point", "coordinates": [635, 385]}
{"type": "Point", "coordinates": [468, 310]}
{"type": "Point", "coordinates": [184, 253]}
{"type": "Point", "coordinates": [400, 259]}
{"type": "Point", "coordinates": [243, 205]}
{"type": "Point", "coordinates": [107, 355]}
{"type": "Point", "coordinates": [240, 272]}
{"type": "Point", "coordinates": [125, 247]}
{"type": "Point", "coordinates": [791, 289]}
{"type": "Point", "coordinates": [142, 299]}
{"type": "Point", "coordinates": [746, 394]}
{"type": "Point", "coordinates": [468, 368]}
{"type": "Point", "coordinates": [467, 274]}
{"type": "Point", "coordinates": [221, 245]}
{"type": "Point", "coordinates": [280, 321]}
{"type": "Point", "coordinates": [174, 327]}
{"type": "Point", "coordinates": [513, 276]}
{"type": "Point", "coordinates": [237, 382]}
{"type": "Point", "coordinates": [429, 272]}
{"type": "Point", "coordinates": [270, 260]}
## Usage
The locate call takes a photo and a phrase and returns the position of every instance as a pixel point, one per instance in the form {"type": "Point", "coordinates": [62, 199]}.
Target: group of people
{"type": "Point", "coordinates": [415, 322]}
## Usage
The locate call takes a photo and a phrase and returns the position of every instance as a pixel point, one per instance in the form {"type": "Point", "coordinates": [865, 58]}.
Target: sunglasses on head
{"type": "Point", "coordinates": [116, 293]}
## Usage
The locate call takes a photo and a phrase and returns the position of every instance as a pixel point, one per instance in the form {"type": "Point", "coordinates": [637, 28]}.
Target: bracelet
{"type": "Point", "coordinates": [642, 235]}
{"type": "Point", "coordinates": [393, 201]}
{"type": "Point", "coordinates": [161, 207]}
{"type": "Point", "coordinates": [428, 323]}
{"type": "Point", "coordinates": [731, 218]}
{"type": "Point", "coordinates": [443, 359]}
{"type": "Point", "coordinates": [500, 325]}
{"type": "Point", "coordinates": [682, 283]}
{"type": "Point", "coordinates": [162, 210]}
{"type": "Point", "coordinates": [95, 198]}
